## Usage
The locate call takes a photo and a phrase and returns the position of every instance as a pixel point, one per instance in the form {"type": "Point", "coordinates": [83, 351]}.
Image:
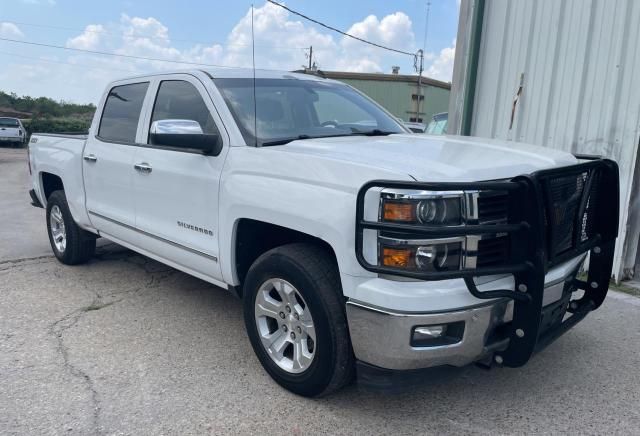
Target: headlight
{"type": "Point", "coordinates": [397, 249]}
{"type": "Point", "coordinates": [433, 255]}
{"type": "Point", "coordinates": [423, 208]}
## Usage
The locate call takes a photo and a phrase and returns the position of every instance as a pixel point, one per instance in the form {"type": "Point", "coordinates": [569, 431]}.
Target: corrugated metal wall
{"type": "Point", "coordinates": [581, 66]}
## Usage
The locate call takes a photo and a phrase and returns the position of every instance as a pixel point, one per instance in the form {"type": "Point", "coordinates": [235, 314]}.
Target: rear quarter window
{"type": "Point", "coordinates": [121, 112]}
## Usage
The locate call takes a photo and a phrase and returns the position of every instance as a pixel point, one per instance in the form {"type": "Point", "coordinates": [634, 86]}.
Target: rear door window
{"type": "Point", "coordinates": [121, 113]}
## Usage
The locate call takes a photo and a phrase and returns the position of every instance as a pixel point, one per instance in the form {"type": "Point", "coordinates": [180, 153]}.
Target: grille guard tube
{"type": "Point", "coordinates": [532, 249]}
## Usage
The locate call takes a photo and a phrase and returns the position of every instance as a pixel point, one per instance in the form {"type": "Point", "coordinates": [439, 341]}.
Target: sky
{"type": "Point", "coordinates": [211, 32]}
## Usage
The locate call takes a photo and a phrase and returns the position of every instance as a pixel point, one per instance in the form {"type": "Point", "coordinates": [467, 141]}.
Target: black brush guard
{"type": "Point", "coordinates": [534, 239]}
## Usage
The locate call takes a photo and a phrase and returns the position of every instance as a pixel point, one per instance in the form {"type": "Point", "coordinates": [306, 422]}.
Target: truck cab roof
{"type": "Point", "coordinates": [236, 73]}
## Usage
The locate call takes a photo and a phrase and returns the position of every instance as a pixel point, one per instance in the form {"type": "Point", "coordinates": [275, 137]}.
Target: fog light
{"type": "Point", "coordinates": [428, 332]}
{"type": "Point", "coordinates": [437, 335]}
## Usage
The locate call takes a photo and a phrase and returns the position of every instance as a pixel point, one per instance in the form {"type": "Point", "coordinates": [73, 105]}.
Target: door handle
{"type": "Point", "coordinates": [143, 167]}
{"type": "Point", "coordinates": [90, 158]}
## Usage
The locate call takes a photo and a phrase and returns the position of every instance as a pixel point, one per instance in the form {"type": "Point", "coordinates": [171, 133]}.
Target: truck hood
{"type": "Point", "coordinates": [436, 158]}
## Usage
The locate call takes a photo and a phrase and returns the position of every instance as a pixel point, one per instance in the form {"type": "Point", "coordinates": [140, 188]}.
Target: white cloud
{"type": "Point", "coordinates": [281, 42]}
{"type": "Point", "coordinates": [148, 37]}
{"type": "Point", "coordinates": [442, 66]}
{"type": "Point", "coordinates": [292, 36]}
{"type": "Point", "coordinates": [394, 30]}
{"type": "Point", "coordinates": [10, 30]}
{"type": "Point", "coordinates": [136, 27]}
{"type": "Point", "coordinates": [90, 39]}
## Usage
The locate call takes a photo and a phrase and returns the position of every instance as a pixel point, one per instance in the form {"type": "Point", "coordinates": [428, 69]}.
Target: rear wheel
{"type": "Point", "coordinates": [295, 318]}
{"type": "Point", "coordinates": [70, 244]}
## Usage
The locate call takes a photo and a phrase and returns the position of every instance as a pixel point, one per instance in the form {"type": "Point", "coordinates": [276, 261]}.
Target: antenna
{"type": "Point", "coordinates": [253, 64]}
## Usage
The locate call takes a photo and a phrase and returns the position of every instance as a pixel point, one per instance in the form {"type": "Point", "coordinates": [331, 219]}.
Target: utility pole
{"type": "Point", "coordinates": [420, 68]}
{"type": "Point", "coordinates": [420, 61]}
{"type": "Point", "coordinates": [310, 57]}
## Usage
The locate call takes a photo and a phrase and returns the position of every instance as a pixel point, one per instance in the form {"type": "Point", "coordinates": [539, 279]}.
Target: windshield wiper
{"type": "Point", "coordinates": [284, 140]}
{"type": "Point", "coordinates": [374, 132]}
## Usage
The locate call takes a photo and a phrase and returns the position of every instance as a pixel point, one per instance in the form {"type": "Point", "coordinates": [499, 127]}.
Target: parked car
{"type": "Point", "coordinates": [12, 132]}
{"type": "Point", "coordinates": [355, 246]}
{"type": "Point", "coordinates": [438, 124]}
{"type": "Point", "coordinates": [415, 127]}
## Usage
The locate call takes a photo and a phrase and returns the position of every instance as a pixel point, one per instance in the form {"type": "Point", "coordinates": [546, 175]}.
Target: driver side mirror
{"type": "Point", "coordinates": [184, 134]}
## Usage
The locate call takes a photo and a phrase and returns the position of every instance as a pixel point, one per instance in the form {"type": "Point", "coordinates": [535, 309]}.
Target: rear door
{"type": "Point", "coordinates": [108, 162]}
{"type": "Point", "coordinates": [176, 188]}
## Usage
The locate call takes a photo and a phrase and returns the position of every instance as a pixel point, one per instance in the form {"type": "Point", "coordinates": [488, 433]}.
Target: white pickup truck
{"type": "Point", "coordinates": [356, 246]}
{"type": "Point", "coordinates": [12, 132]}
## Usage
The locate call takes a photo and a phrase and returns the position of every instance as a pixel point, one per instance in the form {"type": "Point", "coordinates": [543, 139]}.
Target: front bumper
{"type": "Point", "coordinates": [383, 338]}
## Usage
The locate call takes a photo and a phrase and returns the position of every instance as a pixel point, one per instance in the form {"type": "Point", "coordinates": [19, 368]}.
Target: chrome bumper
{"type": "Point", "coordinates": [383, 338]}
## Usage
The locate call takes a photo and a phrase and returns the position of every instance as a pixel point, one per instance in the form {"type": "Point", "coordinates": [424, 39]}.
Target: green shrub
{"type": "Point", "coordinates": [56, 125]}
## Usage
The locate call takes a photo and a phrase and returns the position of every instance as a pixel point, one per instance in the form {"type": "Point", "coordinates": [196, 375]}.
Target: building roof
{"type": "Point", "coordinates": [381, 77]}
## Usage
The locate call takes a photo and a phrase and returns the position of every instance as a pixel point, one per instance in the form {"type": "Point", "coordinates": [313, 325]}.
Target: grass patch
{"type": "Point", "coordinates": [631, 290]}
{"type": "Point", "coordinates": [622, 287]}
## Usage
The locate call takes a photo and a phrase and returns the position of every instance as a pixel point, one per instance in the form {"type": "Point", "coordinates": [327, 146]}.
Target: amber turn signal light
{"type": "Point", "coordinates": [393, 211]}
{"type": "Point", "coordinates": [397, 257]}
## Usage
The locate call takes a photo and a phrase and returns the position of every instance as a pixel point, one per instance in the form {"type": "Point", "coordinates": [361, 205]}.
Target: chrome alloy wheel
{"type": "Point", "coordinates": [285, 325]}
{"type": "Point", "coordinates": [58, 231]}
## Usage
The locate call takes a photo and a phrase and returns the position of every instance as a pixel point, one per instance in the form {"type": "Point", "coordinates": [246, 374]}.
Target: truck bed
{"type": "Point", "coordinates": [59, 155]}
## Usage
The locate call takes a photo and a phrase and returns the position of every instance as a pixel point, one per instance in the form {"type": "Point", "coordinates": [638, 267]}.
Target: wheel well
{"type": "Point", "coordinates": [51, 183]}
{"type": "Point", "coordinates": [253, 238]}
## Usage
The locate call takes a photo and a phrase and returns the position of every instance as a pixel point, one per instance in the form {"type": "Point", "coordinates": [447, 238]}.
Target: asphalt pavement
{"type": "Point", "coordinates": [126, 345]}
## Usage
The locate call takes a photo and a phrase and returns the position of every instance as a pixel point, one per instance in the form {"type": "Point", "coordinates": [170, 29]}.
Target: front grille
{"type": "Point", "coordinates": [493, 207]}
{"type": "Point", "coordinates": [565, 229]}
{"type": "Point", "coordinates": [493, 251]}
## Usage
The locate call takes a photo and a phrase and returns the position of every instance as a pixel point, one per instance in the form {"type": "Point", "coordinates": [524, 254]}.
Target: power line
{"type": "Point", "coordinates": [339, 31]}
{"type": "Point", "coordinates": [106, 32]}
{"type": "Point", "coordinates": [63, 63]}
{"type": "Point", "coordinates": [104, 53]}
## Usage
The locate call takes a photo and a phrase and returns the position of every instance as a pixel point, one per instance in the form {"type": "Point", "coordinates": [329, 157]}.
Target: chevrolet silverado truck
{"type": "Point", "coordinates": [357, 248]}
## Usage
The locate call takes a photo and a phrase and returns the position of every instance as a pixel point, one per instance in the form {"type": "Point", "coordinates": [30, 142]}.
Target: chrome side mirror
{"type": "Point", "coordinates": [176, 127]}
{"type": "Point", "coordinates": [184, 134]}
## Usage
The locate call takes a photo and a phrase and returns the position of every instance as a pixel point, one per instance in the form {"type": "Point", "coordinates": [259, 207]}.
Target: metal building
{"type": "Point", "coordinates": [562, 74]}
{"type": "Point", "coordinates": [400, 94]}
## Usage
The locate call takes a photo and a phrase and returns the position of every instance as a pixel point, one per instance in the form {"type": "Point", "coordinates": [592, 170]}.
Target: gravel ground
{"type": "Point", "coordinates": [126, 345]}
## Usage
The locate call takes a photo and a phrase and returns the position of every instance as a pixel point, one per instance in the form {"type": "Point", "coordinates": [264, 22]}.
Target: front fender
{"type": "Point", "coordinates": [325, 212]}
{"type": "Point", "coordinates": [315, 195]}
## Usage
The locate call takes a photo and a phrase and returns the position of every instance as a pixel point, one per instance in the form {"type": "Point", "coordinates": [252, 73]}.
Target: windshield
{"type": "Point", "coordinates": [9, 122]}
{"type": "Point", "coordinates": [438, 125]}
{"type": "Point", "coordinates": [289, 109]}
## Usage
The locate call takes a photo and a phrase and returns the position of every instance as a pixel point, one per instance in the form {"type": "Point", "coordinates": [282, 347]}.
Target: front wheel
{"type": "Point", "coordinates": [70, 244]}
{"type": "Point", "coordinates": [296, 322]}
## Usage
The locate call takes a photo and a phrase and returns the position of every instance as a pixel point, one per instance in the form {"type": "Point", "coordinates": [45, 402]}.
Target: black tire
{"type": "Point", "coordinates": [312, 271]}
{"type": "Point", "coordinates": [80, 244]}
